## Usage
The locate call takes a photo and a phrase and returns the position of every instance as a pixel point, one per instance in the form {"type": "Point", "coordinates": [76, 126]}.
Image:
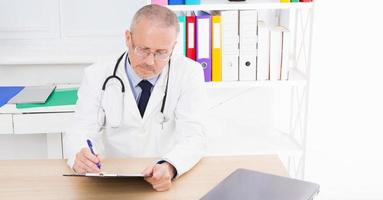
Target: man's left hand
{"type": "Point", "coordinates": [160, 176]}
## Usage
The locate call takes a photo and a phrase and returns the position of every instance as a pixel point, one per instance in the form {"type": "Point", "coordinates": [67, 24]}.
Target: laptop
{"type": "Point", "coordinates": [33, 94]}
{"type": "Point", "coordinates": [246, 184]}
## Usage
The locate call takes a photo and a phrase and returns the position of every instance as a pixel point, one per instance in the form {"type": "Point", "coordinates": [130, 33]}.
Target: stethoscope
{"type": "Point", "coordinates": [114, 76]}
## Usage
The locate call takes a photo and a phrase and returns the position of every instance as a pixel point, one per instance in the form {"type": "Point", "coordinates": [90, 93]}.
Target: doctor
{"type": "Point", "coordinates": [146, 102]}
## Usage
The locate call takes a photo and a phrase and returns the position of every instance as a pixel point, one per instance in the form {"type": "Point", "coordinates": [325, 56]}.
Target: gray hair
{"type": "Point", "coordinates": [159, 15]}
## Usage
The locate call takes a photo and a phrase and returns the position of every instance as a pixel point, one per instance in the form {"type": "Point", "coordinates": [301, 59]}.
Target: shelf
{"type": "Point", "coordinates": [297, 78]}
{"type": "Point", "coordinates": [246, 5]}
{"type": "Point", "coordinates": [259, 141]}
{"type": "Point", "coordinates": [11, 109]}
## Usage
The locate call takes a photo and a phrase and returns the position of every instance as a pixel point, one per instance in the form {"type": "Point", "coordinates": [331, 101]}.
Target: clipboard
{"type": "Point", "coordinates": [108, 175]}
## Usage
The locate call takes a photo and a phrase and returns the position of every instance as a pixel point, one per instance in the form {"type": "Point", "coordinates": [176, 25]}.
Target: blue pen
{"type": "Point", "coordinates": [91, 150]}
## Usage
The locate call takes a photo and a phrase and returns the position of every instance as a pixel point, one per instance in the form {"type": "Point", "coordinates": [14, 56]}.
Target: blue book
{"type": "Point", "coordinates": [176, 2]}
{"type": "Point", "coordinates": [7, 93]}
{"type": "Point", "coordinates": [192, 2]}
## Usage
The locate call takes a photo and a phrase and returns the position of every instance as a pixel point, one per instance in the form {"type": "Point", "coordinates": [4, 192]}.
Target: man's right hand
{"type": "Point", "coordinates": [86, 162]}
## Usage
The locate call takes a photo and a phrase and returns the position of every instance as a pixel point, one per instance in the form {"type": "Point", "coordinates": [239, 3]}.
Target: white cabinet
{"type": "Point", "coordinates": [82, 19]}
{"type": "Point", "coordinates": [25, 19]}
{"type": "Point", "coordinates": [63, 31]}
{"type": "Point", "coordinates": [6, 124]}
{"type": "Point", "coordinates": [41, 123]}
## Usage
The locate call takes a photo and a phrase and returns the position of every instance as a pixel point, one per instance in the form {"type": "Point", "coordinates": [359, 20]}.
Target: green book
{"type": "Point", "coordinates": [294, 0]}
{"type": "Point", "coordinates": [59, 97]}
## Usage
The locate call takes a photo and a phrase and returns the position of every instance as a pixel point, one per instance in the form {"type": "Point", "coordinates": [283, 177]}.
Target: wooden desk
{"type": "Point", "coordinates": [42, 179]}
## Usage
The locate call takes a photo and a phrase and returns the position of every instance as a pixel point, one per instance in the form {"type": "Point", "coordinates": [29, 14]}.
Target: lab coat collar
{"type": "Point", "coordinates": [157, 95]}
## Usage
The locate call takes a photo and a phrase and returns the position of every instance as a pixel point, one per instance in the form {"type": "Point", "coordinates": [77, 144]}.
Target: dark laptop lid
{"type": "Point", "coordinates": [245, 184]}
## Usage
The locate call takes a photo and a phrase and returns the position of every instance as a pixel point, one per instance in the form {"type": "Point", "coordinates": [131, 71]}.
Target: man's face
{"type": "Point", "coordinates": [150, 48]}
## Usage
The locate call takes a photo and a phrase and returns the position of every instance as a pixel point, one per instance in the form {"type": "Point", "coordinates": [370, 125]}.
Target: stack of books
{"type": "Point", "coordinates": [234, 45]}
{"type": "Point", "coordinates": [294, 1]}
{"type": "Point", "coordinates": [176, 2]}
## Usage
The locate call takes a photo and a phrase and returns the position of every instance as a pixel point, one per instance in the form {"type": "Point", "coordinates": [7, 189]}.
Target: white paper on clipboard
{"type": "Point", "coordinates": [108, 175]}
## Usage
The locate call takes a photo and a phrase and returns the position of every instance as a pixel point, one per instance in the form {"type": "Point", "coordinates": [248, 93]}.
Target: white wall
{"type": "Point", "coordinates": [345, 125]}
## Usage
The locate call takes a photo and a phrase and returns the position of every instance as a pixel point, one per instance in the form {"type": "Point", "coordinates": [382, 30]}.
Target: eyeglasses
{"type": "Point", "coordinates": [145, 52]}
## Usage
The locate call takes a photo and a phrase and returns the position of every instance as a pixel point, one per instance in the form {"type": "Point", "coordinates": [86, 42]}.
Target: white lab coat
{"type": "Point", "coordinates": [181, 141]}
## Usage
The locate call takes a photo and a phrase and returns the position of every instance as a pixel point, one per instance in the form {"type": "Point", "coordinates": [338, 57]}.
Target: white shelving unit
{"type": "Point", "coordinates": [246, 5]}
{"type": "Point", "coordinates": [291, 143]}
{"type": "Point", "coordinates": [266, 141]}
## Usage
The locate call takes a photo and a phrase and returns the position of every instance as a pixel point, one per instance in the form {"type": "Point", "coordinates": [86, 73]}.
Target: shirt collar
{"type": "Point", "coordinates": [134, 79]}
